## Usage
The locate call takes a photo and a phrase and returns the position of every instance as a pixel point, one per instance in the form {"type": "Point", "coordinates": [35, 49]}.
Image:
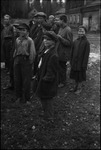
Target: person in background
{"type": "Point", "coordinates": [31, 22]}
{"type": "Point", "coordinates": [79, 59]}
{"type": "Point", "coordinates": [47, 75]}
{"type": "Point", "coordinates": [37, 35]}
{"type": "Point", "coordinates": [24, 56]}
{"type": "Point", "coordinates": [65, 41]}
{"type": "Point", "coordinates": [10, 86]}
{"type": "Point", "coordinates": [33, 28]}
{"type": "Point", "coordinates": [50, 22]}
{"type": "Point", "coordinates": [7, 40]}
{"type": "Point", "coordinates": [2, 54]}
{"type": "Point", "coordinates": [55, 24]}
{"type": "Point", "coordinates": [2, 27]}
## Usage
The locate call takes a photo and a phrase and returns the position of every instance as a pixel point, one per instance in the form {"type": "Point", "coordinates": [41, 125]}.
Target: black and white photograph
{"type": "Point", "coordinates": [50, 74]}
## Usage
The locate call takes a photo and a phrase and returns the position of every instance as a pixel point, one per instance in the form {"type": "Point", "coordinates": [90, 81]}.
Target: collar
{"type": "Point", "coordinates": [6, 25]}
{"type": "Point", "coordinates": [64, 26]}
{"type": "Point", "coordinates": [82, 37]}
{"type": "Point", "coordinates": [23, 38]}
{"type": "Point", "coordinates": [46, 51]}
{"type": "Point", "coordinates": [49, 48]}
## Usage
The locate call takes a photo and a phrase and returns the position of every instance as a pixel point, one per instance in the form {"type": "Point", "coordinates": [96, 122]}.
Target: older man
{"type": "Point", "coordinates": [65, 38]}
{"type": "Point", "coordinates": [36, 33]}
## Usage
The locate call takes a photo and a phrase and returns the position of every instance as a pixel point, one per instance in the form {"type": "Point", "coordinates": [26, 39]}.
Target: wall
{"type": "Point", "coordinates": [91, 20]}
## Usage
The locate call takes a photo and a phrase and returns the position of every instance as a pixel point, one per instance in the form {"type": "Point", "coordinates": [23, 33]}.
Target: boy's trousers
{"type": "Point", "coordinates": [48, 109]}
{"type": "Point", "coordinates": [22, 77]}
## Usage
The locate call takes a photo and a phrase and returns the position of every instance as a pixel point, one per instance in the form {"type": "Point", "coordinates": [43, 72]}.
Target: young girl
{"type": "Point", "coordinates": [79, 59]}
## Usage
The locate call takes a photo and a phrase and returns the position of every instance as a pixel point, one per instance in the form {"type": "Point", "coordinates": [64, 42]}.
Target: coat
{"type": "Point", "coordinates": [80, 54]}
{"type": "Point", "coordinates": [48, 75]}
{"type": "Point", "coordinates": [36, 33]}
{"type": "Point", "coordinates": [65, 44]}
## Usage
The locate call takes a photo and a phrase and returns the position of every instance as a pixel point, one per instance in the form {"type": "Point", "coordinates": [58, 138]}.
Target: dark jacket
{"type": "Point", "coordinates": [65, 44]}
{"type": "Point", "coordinates": [36, 33]}
{"type": "Point", "coordinates": [80, 54]}
{"type": "Point", "coordinates": [48, 75]}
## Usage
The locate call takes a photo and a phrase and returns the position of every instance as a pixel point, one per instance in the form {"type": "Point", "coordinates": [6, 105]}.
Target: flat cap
{"type": "Point", "coordinates": [51, 35]}
{"type": "Point", "coordinates": [82, 26]}
{"type": "Point", "coordinates": [51, 17]}
{"type": "Point", "coordinates": [23, 26]}
{"type": "Point", "coordinates": [41, 14]}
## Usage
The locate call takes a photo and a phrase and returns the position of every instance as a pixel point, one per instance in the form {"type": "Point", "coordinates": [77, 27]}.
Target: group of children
{"type": "Point", "coordinates": [47, 75]}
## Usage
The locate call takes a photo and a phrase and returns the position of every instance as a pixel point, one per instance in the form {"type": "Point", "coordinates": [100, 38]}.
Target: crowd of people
{"type": "Point", "coordinates": [37, 53]}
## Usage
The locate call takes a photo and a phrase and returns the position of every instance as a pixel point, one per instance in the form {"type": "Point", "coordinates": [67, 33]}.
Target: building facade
{"type": "Point", "coordinates": [86, 12]}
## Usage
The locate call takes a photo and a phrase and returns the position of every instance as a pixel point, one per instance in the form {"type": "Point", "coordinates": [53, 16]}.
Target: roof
{"type": "Point", "coordinates": [94, 3]}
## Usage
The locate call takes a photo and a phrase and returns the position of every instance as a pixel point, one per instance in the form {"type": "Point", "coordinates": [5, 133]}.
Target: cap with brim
{"type": "Point", "coordinates": [82, 26]}
{"type": "Point", "coordinates": [50, 35]}
{"type": "Point", "coordinates": [23, 26]}
{"type": "Point", "coordinates": [40, 14]}
{"type": "Point", "coordinates": [16, 25]}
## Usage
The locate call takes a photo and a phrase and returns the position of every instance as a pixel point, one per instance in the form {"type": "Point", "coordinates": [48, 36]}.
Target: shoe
{"type": "Point", "coordinates": [78, 91]}
{"type": "Point", "coordinates": [73, 89]}
{"type": "Point", "coordinates": [8, 88]}
{"type": "Point", "coordinates": [18, 100]}
{"type": "Point", "coordinates": [61, 85]}
{"type": "Point", "coordinates": [28, 103]}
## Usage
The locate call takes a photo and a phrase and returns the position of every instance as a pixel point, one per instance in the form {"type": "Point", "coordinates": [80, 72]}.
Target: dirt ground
{"type": "Point", "coordinates": [77, 117]}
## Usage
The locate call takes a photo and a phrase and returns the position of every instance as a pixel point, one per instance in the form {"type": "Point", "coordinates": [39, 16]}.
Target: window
{"type": "Point", "coordinates": [78, 18]}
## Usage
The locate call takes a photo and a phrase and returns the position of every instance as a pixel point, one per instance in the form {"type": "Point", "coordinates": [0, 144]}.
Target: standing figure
{"type": "Point", "coordinates": [2, 54]}
{"type": "Point", "coordinates": [47, 75]}
{"type": "Point", "coordinates": [36, 33]}
{"type": "Point", "coordinates": [7, 39]}
{"type": "Point", "coordinates": [79, 59]}
{"type": "Point", "coordinates": [24, 56]}
{"type": "Point", "coordinates": [65, 38]}
{"type": "Point", "coordinates": [54, 24]}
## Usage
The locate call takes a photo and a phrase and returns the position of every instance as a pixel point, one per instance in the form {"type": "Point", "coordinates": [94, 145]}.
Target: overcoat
{"type": "Point", "coordinates": [80, 54]}
{"type": "Point", "coordinates": [36, 33]}
{"type": "Point", "coordinates": [48, 75]}
{"type": "Point", "coordinates": [65, 44]}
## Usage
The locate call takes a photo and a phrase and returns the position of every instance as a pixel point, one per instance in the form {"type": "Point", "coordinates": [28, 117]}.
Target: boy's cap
{"type": "Point", "coordinates": [51, 35]}
{"type": "Point", "coordinates": [82, 26]}
{"type": "Point", "coordinates": [40, 14]}
{"type": "Point", "coordinates": [51, 17]}
{"type": "Point", "coordinates": [16, 23]}
{"type": "Point", "coordinates": [23, 26]}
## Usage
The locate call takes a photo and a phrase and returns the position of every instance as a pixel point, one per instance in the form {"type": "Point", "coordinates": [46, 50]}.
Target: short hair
{"type": "Point", "coordinates": [63, 18]}
{"type": "Point", "coordinates": [7, 16]}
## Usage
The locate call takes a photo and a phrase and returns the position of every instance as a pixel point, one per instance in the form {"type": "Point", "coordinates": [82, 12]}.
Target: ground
{"type": "Point", "coordinates": [77, 117]}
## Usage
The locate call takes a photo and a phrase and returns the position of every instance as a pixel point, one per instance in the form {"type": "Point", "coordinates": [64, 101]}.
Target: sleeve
{"type": "Point", "coordinates": [52, 69]}
{"type": "Point", "coordinates": [71, 54]}
{"type": "Point", "coordinates": [68, 40]}
{"type": "Point", "coordinates": [15, 48]}
{"type": "Point", "coordinates": [86, 56]}
{"type": "Point", "coordinates": [32, 51]}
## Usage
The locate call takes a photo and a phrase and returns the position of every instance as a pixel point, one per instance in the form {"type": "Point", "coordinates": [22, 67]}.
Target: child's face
{"type": "Point", "coordinates": [6, 20]}
{"type": "Point", "coordinates": [81, 32]}
{"type": "Point", "coordinates": [23, 32]}
{"type": "Point", "coordinates": [48, 42]}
